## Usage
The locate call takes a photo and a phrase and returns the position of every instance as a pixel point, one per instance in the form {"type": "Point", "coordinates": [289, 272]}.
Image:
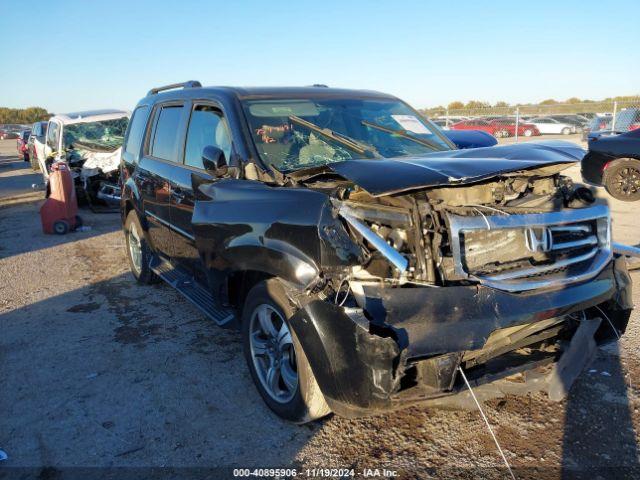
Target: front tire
{"type": "Point", "coordinates": [139, 253]}
{"type": "Point", "coordinates": [528, 132]}
{"type": "Point", "coordinates": [276, 360]}
{"type": "Point", "coordinates": [566, 131]}
{"type": "Point", "coordinates": [621, 179]}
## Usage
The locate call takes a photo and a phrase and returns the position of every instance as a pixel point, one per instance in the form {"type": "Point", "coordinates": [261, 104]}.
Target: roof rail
{"type": "Point", "coordinates": [189, 84]}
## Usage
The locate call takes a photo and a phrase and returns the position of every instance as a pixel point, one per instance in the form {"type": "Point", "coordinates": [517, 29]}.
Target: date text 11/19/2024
{"type": "Point", "coordinates": [314, 473]}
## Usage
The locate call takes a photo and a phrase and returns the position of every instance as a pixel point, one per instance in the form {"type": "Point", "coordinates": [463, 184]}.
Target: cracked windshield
{"type": "Point", "coordinates": [299, 134]}
{"type": "Point", "coordinates": [103, 136]}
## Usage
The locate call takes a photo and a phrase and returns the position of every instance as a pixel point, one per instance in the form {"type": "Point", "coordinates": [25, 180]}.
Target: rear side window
{"type": "Point", "coordinates": [166, 134]}
{"type": "Point", "coordinates": [136, 133]}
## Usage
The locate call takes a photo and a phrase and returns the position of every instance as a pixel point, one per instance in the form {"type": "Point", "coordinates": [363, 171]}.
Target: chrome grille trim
{"type": "Point", "coordinates": [590, 240]}
{"type": "Point", "coordinates": [590, 263]}
{"type": "Point", "coordinates": [527, 272]}
{"type": "Point", "coordinates": [570, 228]}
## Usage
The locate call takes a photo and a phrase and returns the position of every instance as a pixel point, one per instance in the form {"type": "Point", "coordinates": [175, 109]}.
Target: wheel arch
{"type": "Point", "coordinates": [240, 282]}
{"type": "Point", "coordinates": [131, 200]}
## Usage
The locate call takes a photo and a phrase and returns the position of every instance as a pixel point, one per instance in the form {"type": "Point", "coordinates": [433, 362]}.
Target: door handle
{"type": "Point", "coordinates": [178, 194]}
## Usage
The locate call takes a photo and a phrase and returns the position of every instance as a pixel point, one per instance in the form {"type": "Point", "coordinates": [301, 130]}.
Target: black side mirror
{"type": "Point", "coordinates": [213, 159]}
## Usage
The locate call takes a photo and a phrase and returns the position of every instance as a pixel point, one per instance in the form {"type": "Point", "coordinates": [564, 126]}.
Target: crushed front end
{"type": "Point", "coordinates": [92, 149]}
{"type": "Point", "coordinates": [494, 278]}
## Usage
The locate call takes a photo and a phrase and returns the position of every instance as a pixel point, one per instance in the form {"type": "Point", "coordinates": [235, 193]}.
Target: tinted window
{"type": "Point", "coordinates": [166, 136]}
{"type": "Point", "coordinates": [136, 132]}
{"type": "Point", "coordinates": [206, 127]}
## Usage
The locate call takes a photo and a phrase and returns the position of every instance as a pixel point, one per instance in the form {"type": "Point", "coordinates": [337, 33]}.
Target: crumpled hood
{"type": "Point", "coordinates": [393, 175]}
{"type": "Point", "coordinates": [96, 162]}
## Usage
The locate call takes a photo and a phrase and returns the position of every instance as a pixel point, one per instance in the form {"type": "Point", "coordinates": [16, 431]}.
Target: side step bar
{"type": "Point", "coordinates": [191, 290]}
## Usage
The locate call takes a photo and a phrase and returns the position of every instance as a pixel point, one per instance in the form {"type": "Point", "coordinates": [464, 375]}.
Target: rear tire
{"type": "Point", "coordinates": [139, 253]}
{"type": "Point", "coordinates": [566, 131]}
{"type": "Point", "coordinates": [528, 132]}
{"type": "Point", "coordinates": [621, 179]}
{"type": "Point", "coordinates": [301, 401]}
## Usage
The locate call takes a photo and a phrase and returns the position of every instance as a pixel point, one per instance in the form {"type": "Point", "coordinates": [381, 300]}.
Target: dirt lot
{"type": "Point", "coordinates": [98, 373]}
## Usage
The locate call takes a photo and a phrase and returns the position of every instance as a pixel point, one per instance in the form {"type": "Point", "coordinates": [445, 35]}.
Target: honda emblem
{"type": "Point", "coordinates": [538, 239]}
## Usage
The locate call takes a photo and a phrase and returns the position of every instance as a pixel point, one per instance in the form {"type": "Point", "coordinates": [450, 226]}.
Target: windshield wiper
{"type": "Point", "coordinates": [362, 148]}
{"type": "Point", "coordinates": [404, 134]}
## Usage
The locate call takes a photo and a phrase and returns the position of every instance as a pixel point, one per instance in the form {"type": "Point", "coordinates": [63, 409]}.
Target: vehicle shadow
{"type": "Point", "coordinates": [21, 228]}
{"type": "Point", "coordinates": [599, 439]}
{"type": "Point", "coordinates": [96, 378]}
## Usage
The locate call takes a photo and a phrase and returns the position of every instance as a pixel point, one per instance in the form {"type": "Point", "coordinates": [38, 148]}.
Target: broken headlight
{"type": "Point", "coordinates": [384, 229]}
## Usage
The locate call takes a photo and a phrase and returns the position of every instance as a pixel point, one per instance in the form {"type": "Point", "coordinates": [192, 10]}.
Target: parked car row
{"type": "Point", "coordinates": [351, 244]}
{"type": "Point", "coordinates": [499, 128]}
{"type": "Point", "coordinates": [556, 124]}
{"type": "Point", "coordinates": [11, 131]}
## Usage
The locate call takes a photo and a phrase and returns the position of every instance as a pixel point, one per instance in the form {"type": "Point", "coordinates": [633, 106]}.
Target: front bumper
{"type": "Point", "coordinates": [365, 361]}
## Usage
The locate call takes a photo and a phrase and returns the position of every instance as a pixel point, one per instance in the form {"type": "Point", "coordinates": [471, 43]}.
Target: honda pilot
{"type": "Point", "coordinates": [368, 263]}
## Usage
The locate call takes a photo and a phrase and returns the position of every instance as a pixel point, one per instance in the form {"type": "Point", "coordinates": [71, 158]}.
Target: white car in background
{"type": "Point", "coordinates": [548, 125]}
{"type": "Point", "coordinates": [90, 143]}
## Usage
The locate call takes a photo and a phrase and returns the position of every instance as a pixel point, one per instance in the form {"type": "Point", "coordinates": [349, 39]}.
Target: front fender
{"type": "Point", "coordinates": [242, 225]}
{"type": "Point", "coordinates": [355, 370]}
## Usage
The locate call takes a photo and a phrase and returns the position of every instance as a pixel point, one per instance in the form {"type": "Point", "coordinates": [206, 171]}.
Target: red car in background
{"type": "Point", "coordinates": [501, 127]}
{"type": "Point", "coordinates": [22, 145]}
{"type": "Point", "coordinates": [8, 134]}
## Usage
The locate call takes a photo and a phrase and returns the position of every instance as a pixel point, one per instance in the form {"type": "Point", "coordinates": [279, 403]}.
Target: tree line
{"type": "Point", "coordinates": [475, 105]}
{"type": "Point", "coordinates": [23, 115]}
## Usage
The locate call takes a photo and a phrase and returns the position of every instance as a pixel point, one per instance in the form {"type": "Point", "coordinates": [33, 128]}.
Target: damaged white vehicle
{"type": "Point", "coordinates": [91, 143]}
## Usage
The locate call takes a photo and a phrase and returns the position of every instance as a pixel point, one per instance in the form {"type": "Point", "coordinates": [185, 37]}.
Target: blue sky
{"type": "Point", "coordinates": [67, 55]}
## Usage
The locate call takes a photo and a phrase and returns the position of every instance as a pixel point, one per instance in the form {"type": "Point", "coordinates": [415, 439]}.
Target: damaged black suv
{"type": "Point", "coordinates": [368, 264]}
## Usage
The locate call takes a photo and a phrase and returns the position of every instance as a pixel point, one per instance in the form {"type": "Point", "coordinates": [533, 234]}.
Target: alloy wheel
{"type": "Point", "coordinates": [135, 248]}
{"type": "Point", "coordinates": [273, 354]}
{"type": "Point", "coordinates": [627, 181]}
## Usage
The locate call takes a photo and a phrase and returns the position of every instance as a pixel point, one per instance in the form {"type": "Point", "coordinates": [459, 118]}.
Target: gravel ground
{"type": "Point", "coordinates": [97, 371]}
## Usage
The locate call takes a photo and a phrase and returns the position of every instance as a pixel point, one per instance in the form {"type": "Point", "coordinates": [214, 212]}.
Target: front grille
{"type": "Point", "coordinates": [529, 251]}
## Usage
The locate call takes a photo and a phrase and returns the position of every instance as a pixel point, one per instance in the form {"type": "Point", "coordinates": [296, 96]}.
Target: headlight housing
{"type": "Point", "coordinates": [384, 228]}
